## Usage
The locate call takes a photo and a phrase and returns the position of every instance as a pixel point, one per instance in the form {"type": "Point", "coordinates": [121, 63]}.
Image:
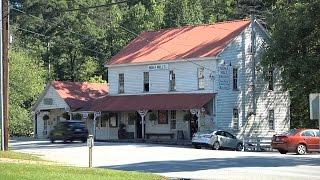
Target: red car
{"type": "Point", "coordinates": [300, 141]}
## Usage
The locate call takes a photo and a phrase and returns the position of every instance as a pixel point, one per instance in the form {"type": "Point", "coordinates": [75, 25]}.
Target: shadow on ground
{"type": "Point", "coordinates": [217, 163]}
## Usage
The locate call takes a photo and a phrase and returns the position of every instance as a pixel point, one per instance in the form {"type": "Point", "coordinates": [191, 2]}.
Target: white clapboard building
{"type": "Point", "coordinates": [170, 83]}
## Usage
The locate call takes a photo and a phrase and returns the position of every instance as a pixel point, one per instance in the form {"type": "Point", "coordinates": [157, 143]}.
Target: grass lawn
{"type": "Point", "coordinates": [20, 156]}
{"type": "Point", "coordinates": [36, 171]}
{"type": "Point", "coordinates": [23, 170]}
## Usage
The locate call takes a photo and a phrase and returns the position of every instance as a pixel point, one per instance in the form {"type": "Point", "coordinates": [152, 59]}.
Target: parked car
{"type": "Point", "coordinates": [69, 131]}
{"type": "Point", "coordinates": [216, 140]}
{"type": "Point", "coordinates": [300, 141]}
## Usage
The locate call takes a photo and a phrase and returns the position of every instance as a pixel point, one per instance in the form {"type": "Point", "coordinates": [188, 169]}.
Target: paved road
{"type": "Point", "coordinates": [180, 162]}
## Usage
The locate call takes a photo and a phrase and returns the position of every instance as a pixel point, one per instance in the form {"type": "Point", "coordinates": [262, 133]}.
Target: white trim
{"type": "Point", "coordinates": [162, 61]}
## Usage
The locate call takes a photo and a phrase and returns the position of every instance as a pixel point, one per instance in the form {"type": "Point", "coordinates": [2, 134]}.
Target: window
{"type": "Point", "coordinates": [271, 119]}
{"type": "Point", "coordinates": [172, 81]}
{"type": "Point", "coordinates": [201, 78]}
{"type": "Point", "coordinates": [235, 78]}
{"type": "Point", "coordinates": [308, 133]}
{"type": "Point", "coordinates": [47, 101]}
{"type": "Point", "coordinates": [173, 122]}
{"type": "Point", "coordinates": [113, 120]}
{"type": "Point", "coordinates": [270, 80]}
{"type": "Point", "coordinates": [235, 119]}
{"type": "Point", "coordinates": [131, 118]}
{"type": "Point", "coordinates": [121, 83]}
{"type": "Point", "coordinates": [146, 81]}
{"type": "Point", "coordinates": [162, 117]}
{"type": "Point", "coordinates": [103, 121]}
{"type": "Point", "coordinates": [229, 135]}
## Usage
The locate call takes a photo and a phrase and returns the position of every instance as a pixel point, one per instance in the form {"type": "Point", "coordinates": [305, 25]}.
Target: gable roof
{"type": "Point", "coordinates": [77, 94]}
{"type": "Point", "coordinates": [180, 43]}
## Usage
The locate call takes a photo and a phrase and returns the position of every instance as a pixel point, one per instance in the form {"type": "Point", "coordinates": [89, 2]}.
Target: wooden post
{"type": "Point", "coordinates": [5, 35]}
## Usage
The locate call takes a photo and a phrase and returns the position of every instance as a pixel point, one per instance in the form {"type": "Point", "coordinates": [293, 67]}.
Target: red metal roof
{"type": "Point", "coordinates": [149, 102]}
{"type": "Point", "coordinates": [77, 94]}
{"type": "Point", "coordinates": [180, 43]}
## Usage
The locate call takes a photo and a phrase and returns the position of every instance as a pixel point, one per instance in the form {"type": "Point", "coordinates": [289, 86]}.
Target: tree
{"type": "Point", "coordinates": [182, 12]}
{"type": "Point", "coordinates": [27, 81]}
{"type": "Point", "coordinates": [295, 50]}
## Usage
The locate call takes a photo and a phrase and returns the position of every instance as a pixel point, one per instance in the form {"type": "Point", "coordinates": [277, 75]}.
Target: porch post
{"type": "Point", "coordinates": [95, 115]}
{"type": "Point", "coordinates": [143, 114]}
{"type": "Point", "coordinates": [196, 112]}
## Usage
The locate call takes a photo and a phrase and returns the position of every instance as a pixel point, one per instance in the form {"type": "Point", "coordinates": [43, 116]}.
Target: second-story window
{"type": "Point", "coordinates": [235, 78]}
{"type": "Point", "coordinates": [121, 83]}
{"type": "Point", "coordinates": [270, 80]}
{"type": "Point", "coordinates": [172, 81]}
{"type": "Point", "coordinates": [201, 78]}
{"type": "Point", "coordinates": [146, 81]}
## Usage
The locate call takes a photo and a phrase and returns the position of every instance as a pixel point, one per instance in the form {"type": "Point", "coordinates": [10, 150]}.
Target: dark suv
{"type": "Point", "coordinates": [69, 131]}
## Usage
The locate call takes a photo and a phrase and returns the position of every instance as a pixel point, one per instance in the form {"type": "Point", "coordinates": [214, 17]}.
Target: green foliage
{"type": "Point", "coordinates": [20, 121]}
{"type": "Point", "coordinates": [66, 115]}
{"type": "Point", "coordinates": [187, 117]}
{"type": "Point", "coordinates": [27, 78]}
{"type": "Point", "coordinates": [182, 12]}
{"type": "Point", "coordinates": [77, 116]}
{"type": "Point", "coordinates": [295, 51]}
{"type": "Point", "coordinates": [152, 116]}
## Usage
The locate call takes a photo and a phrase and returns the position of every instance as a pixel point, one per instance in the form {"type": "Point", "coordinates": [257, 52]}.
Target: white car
{"type": "Point", "coordinates": [216, 140]}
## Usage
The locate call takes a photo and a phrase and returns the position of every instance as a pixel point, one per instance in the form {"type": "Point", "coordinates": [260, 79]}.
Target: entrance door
{"type": "Point", "coordinates": [138, 126]}
{"type": "Point", "coordinates": [193, 125]}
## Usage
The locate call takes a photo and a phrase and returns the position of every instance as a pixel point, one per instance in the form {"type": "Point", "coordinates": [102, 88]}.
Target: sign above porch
{"type": "Point", "coordinates": [156, 67]}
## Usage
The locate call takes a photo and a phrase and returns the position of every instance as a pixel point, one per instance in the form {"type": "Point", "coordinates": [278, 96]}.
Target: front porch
{"type": "Point", "coordinates": [153, 118]}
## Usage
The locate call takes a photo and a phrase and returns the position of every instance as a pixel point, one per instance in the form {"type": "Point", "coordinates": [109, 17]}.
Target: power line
{"type": "Point", "coordinates": [42, 35]}
{"type": "Point", "coordinates": [85, 37]}
{"type": "Point", "coordinates": [94, 7]}
{"type": "Point", "coordinates": [122, 27]}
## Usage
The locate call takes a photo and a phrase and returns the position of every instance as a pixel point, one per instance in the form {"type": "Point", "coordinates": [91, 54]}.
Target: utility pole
{"type": "Point", "coordinates": [1, 85]}
{"type": "Point", "coordinates": [5, 61]}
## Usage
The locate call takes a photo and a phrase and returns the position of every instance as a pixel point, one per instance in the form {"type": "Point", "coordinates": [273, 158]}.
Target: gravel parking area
{"type": "Point", "coordinates": [178, 162]}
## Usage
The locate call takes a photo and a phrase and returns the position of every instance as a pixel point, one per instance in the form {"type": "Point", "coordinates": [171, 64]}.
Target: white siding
{"type": "Point", "coordinates": [58, 102]}
{"type": "Point", "coordinates": [238, 53]}
{"type": "Point", "coordinates": [186, 77]}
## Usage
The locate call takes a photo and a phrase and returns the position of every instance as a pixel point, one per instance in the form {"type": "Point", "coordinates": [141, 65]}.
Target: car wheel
{"type": "Point", "coordinates": [197, 146]}
{"type": "Point", "coordinates": [216, 145]}
{"type": "Point", "coordinates": [301, 149]}
{"type": "Point", "coordinates": [282, 151]}
{"type": "Point", "coordinates": [239, 147]}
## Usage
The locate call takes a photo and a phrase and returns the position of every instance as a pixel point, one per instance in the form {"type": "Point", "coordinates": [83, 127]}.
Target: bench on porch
{"type": "Point", "coordinates": [158, 135]}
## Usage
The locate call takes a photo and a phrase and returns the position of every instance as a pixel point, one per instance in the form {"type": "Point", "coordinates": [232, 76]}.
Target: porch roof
{"type": "Point", "coordinates": [149, 102]}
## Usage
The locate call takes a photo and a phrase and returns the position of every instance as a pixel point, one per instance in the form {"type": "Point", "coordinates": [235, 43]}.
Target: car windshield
{"type": "Point", "coordinates": [77, 125]}
{"type": "Point", "coordinates": [290, 133]}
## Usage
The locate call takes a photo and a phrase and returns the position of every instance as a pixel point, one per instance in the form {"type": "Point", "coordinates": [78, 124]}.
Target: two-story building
{"type": "Point", "coordinates": [170, 83]}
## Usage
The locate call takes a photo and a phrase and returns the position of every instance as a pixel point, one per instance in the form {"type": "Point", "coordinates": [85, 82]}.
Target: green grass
{"type": "Point", "coordinates": [20, 156]}
{"type": "Point", "coordinates": [47, 172]}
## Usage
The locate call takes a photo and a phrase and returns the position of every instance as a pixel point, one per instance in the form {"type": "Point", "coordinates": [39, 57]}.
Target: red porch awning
{"type": "Point", "coordinates": [149, 102]}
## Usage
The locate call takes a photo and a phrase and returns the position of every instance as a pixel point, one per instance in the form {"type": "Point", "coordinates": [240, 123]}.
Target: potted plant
{"type": "Point", "coordinates": [45, 117]}
{"type": "Point", "coordinates": [90, 116]}
{"type": "Point", "coordinates": [187, 117]}
{"type": "Point", "coordinates": [152, 116]}
{"type": "Point", "coordinates": [77, 116]}
{"type": "Point", "coordinates": [66, 115]}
